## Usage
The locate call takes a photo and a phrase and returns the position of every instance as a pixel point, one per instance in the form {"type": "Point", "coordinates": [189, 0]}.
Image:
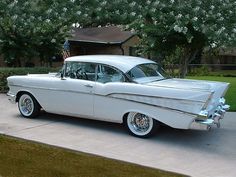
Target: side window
{"type": "Point", "coordinates": [80, 70]}
{"type": "Point", "coordinates": [109, 74]}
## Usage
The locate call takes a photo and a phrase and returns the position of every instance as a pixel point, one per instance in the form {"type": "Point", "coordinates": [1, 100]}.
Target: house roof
{"type": "Point", "coordinates": [104, 35]}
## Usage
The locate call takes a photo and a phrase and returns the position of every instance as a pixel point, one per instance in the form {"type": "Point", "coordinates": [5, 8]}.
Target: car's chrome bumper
{"type": "Point", "coordinates": [11, 97]}
{"type": "Point", "coordinates": [204, 121]}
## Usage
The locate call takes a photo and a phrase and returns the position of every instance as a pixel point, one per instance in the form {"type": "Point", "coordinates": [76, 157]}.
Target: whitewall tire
{"type": "Point", "coordinates": [28, 106]}
{"type": "Point", "coordinates": [141, 125]}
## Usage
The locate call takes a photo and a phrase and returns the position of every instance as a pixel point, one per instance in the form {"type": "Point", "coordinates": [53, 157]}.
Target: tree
{"type": "Point", "coordinates": [34, 28]}
{"type": "Point", "coordinates": [39, 27]}
{"type": "Point", "coordinates": [167, 25]}
{"type": "Point", "coordinates": [193, 25]}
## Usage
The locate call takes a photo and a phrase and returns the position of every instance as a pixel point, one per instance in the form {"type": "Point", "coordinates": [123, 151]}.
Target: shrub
{"type": "Point", "coordinates": [202, 71]}
{"type": "Point", "coordinates": [6, 72]}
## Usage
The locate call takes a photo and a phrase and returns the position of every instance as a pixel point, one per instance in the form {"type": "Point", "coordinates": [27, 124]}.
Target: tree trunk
{"type": "Point", "coordinates": [189, 57]}
{"type": "Point", "coordinates": [18, 61]}
{"type": "Point", "coordinates": [184, 66]}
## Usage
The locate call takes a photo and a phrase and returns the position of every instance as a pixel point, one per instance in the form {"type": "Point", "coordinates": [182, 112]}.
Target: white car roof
{"type": "Point", "coordinates": [121, 62]}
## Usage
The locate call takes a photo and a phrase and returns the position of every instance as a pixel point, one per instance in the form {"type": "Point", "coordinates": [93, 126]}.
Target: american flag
{"type": "Point", "coordinates": [66, 50]}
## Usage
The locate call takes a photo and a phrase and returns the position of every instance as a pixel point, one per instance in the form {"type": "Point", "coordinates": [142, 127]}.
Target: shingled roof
{"type": "Point", "coordinates": [104, 35]}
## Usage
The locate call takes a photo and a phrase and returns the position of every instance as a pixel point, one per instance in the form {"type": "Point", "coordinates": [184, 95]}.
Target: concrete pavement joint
{"type": "Point", "coordinates": [29, 128]}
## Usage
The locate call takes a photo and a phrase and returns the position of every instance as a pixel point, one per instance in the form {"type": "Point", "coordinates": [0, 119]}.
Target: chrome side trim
{"type": "Point", "coordinates": [162, 107]}
{"type": "Point", "coordinates": [52, 89]}
{"type": "Point", "coordinates": [149, 96]}
{"type": "Point", "coordinates": [109, 95]}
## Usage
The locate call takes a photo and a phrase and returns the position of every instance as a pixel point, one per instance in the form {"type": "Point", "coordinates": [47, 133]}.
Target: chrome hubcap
{"type": "Point", "coordinates": [141, 122]}
{"type": "Point", "coordinates": [26, 105]}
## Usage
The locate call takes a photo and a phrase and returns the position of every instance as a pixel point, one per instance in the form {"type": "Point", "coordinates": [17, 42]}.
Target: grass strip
{"type": "Point", "coordinates": [20, 158]}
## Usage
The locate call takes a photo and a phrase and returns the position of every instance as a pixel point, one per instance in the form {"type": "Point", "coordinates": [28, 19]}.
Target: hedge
{"type": "Point", "coordinates": [6, 72]}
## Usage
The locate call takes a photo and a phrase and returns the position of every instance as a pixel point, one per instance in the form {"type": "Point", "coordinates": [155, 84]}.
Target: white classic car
{"type": "Point", "coordinates": [122, 89]}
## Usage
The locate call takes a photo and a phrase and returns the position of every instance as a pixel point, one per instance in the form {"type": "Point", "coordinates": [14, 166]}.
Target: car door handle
{"type": "Point", "coordinates": [88, 85]}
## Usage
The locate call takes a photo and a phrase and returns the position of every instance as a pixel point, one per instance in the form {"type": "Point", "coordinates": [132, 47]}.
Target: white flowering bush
{"type": "Point", "coordinates": [165, 25]}
{"type": "Point", "coordinates": [39, 27]}
{"type": "Point", "coordinates": [33, 28]}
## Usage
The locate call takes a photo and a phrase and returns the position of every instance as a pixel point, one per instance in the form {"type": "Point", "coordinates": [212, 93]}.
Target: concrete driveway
{"type": "Point", "coordinates": [193, 153]}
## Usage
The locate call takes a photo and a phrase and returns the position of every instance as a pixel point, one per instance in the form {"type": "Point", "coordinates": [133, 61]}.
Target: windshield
{"type": "Point", "coordinates": [147, 72]}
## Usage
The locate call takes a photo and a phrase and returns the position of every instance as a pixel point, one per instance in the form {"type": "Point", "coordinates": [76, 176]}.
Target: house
{"type": "Point", "coordinates": [102, 40]}
{"type": "Point", "coordinates": [228, 57]}
{"type": "Point", "coordinates": [224, 59]}
{"type": "Point", "coordinates": [96, 40]}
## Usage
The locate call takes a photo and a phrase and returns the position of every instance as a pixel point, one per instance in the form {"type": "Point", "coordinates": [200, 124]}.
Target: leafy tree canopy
{"type": "Point", "coordinates": [39, 27]}
{"type": "Point", "coordinates": [165, 25]}
{"type": "Point", "coordinates": [33, 28]}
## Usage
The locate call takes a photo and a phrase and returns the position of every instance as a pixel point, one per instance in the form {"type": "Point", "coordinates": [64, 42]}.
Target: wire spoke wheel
{"type": "Point", "coordinates": [28, 106]}
{"type": "Point", "coordinates": [140, 125]}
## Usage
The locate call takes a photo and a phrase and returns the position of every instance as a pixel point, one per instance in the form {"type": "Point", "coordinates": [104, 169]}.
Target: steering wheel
{"type": "Point", "coordinates": [81, 75]}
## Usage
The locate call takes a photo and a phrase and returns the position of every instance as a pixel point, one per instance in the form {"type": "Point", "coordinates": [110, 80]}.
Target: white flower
{"type": "Point", "coordinates": [234, 30]}
{"type": "Point", "coordinates": [132, 4]}
{"type": "Point", "coordinates": [172, 1]}
{"type": "Point", "coordinates": [104, 3]}
{"type": "Point", "coordinates": [14, 17]}
{"type": "Point", "coordinates": [153, 10]}
{"type": "Point", "coordinates": [78, 12]}
{"type": "Point", "coordinates": [140, 16]}
{"type": "Point", "coordinates": [49, 11]}
{"type": "Point", "coordinates": [213, 45]}
{"type": "Point", "coordinates": [117, 12]}
{"type": "Point", "coordinates": [53, 40]}
{"type": "Point", "coordinates": [156, 3]}
{"type": "Point", "coordinates": [179, 16]}
{"type": "Point", "coordinates": [132, 30]}
{"type": "Point", "coordinates": [177, 28]}
{"type": "Point", "coordinates": [212, 7]}
{"type": "Point", "coordinates": [197, 8]}
{"type": "Point", "coordinates": [132, 13]}
{"type": "Point", "coordinates": [221, 18]}
{"type": "Point", "coordinates": [195, 18]}
{"type": "Point", "coordinates": [64, 9]}
{"type": "Point", "coordinates": [185, 30]}
{"type": "Point", "coordinates": [48, 20]}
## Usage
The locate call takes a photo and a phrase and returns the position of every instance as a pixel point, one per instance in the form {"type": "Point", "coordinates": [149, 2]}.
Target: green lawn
{"type": "Point", "coordinates": [230, 95]}
{"type": "Point", "coordinates": [19, 158]}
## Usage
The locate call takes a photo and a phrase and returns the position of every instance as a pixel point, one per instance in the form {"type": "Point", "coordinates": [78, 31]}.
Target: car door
{"type": "Point", "coordinates": [105, 107]}
{"type": "Point", "coordinates": [74, 93]}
